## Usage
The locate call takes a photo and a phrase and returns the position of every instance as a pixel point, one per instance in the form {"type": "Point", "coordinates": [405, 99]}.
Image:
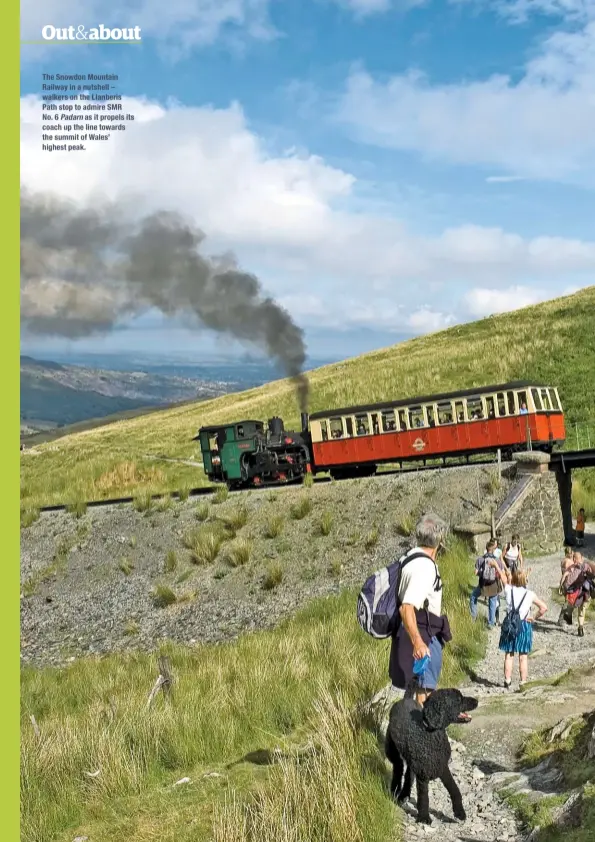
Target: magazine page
{"type": "Point", "coordinates": [307, 421]}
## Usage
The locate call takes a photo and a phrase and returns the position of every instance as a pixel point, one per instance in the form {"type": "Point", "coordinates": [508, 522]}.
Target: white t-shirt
{"type": "Point", "coordinates": [517, 594]}
{"type": "Point", "coordinates": [417, 583]}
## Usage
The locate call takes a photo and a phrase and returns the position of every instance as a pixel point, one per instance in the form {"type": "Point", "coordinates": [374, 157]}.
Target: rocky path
{"type": "Point", "coordinates": [484, 752]}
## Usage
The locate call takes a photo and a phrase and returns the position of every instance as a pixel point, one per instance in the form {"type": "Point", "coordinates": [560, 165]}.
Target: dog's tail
{"type": "Point", "coordinates": [412, 688]}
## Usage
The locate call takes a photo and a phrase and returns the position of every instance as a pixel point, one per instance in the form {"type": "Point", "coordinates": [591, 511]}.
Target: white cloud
{"type": "Point", "coordinates": [504, 179]}
{"type": "Point", "coordinates": [364, 8]}
{"type": "Point", "coordinates": [485, 302]}
{"type": "Point", "coordinates": [426, 320]}
{"type": "Point", "coordinates": [541, 126]}
{"type": "Point", "coordinates": [287, 216]}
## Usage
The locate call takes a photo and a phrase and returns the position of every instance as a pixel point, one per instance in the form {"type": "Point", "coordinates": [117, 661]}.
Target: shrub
{"type": "Point", "coordinates": [202, 511]}
{"type": "Point", "coordinates": [163, 596]}
{"type": "Point", "coordinates": [221, 494]}
{"type": "Point", "coordinates": [301, 508]}
{"type": "Point", "coordinates": [239, 552]}
{"type": "Point", "coordinates": [171, 562]}
{"type": "Point", "coordinates": [273, 576]}
{"type": "Point", "coordinates": [274, 526]}
{"type": "Point", "coordinates": [325, 524]}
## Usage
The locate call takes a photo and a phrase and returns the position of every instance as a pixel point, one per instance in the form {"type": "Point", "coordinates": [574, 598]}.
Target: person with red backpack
{"type": "Point", "coordinates": [576, 585]}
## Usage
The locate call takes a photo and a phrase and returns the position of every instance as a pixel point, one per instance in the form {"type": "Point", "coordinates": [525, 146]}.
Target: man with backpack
{"type": "Point", "coordinates": [487, 568]}
{"type": "Point", "coordinates": [577, 584]}
{"type": "Point", "coordinates": [404, 602]}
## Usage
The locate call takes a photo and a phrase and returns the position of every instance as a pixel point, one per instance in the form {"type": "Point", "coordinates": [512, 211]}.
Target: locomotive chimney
{"type": "Point", "coordinates": [304, 417]}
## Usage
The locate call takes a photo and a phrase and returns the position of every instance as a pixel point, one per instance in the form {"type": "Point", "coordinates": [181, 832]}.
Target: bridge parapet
{"type": "Point", "coordinates": [532, 462]}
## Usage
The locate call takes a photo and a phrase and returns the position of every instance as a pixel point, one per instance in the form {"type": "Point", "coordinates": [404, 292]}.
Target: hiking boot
{"type": "Point", "coordinates": [581, 631]}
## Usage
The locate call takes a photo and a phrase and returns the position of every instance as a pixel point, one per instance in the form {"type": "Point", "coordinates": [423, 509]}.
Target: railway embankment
{"type": "Point", "coordinates": [210, 569]}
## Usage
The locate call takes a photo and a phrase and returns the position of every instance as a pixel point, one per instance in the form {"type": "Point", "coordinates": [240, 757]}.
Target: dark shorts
{"type": "Point", "coordinates": [429, 680]}
{"type": "Point", "coordinates": [580, 533]}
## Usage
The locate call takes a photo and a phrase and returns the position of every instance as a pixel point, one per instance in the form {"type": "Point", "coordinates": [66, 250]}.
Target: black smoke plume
{"type": "Point", "coordinates": [85, 270]}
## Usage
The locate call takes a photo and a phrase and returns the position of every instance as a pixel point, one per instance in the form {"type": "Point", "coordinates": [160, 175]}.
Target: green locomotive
{"type": "Point", "coordinates": [246, 454]}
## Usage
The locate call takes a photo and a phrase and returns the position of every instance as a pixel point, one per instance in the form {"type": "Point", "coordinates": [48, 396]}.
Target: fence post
{"type": "Point", "coordinates": [499, 464]}
{"type": "Point", "coordinates": [576, 430]}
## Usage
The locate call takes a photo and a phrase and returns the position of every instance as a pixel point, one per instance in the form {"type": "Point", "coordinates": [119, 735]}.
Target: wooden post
{"type": "Point", "coordinates": [35, 726]}
{"type": "Point", "coordinates": [499, 464]}
{"type": "Point", "coordinates": [493, 525]}
{"type": "Point", "coordinates": [478, 495]}
{"type": "Point", "coordinates": [163, 682]}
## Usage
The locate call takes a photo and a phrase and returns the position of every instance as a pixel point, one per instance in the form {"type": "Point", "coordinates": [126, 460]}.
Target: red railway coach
{"type": "Point", "coordinates": [510, 417]}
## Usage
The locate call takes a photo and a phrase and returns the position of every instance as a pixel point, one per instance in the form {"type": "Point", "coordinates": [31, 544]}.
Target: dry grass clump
{"type": "Point", "coordinates": [204, 544]}
{"type": "Point", "coordinates": [372, 538]}
{"type": "Point", "coordinates": [273, 576]}
{"type": "Point", "coordinates": [171, 562]}
{"type": "Point", "coordinates": [163, 596]}
{"type": "Point", "coordinates": [301, 508]}
{"type": "Point", "coordinates": [238, 553]}
{"type": "Point", "coordinates": [236, 520]}
{"type": "Point", "coordinates": [202, 511]}
{"type": "Point", "coordinates": [126, 566]}
{"type": "Point", "coordinates": [144, 502]}
{"type": "Point", "coordinates": [128, 475]}
{"type": "Point", "coordinates": [325, 524]}
{"type": "Point", "coordinates": [405, 526]}
{"type": "Point", "coordinates": [78, 508]}
{"type": "Point", "coordinates": [308, 481]}
{"type": "Point", "coordinates": [221, 495]}
{"type": "Point", "coordinates": [28, 517]}
{"type": "Point", "coordinates": [273, 526]}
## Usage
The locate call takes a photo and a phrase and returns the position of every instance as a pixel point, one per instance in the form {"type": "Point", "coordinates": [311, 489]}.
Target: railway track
{"type": "Point", "coordinates": [206, 491]}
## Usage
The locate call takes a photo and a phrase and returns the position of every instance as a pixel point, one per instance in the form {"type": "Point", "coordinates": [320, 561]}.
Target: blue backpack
{"type": "Point", "coordinates": [378, 601]}
{"type": "Point", "coordinates": [511, 624]}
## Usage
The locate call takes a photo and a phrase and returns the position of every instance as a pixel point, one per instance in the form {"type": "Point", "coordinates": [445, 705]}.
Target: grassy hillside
{"type": "Point", "coordinates": [553, 342]}
{"type": "Point", "coordinates": [101, 765]}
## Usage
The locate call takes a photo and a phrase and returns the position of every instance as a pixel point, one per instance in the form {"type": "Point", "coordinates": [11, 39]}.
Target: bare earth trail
{"type": "Point", "coordinates": [484, 758]}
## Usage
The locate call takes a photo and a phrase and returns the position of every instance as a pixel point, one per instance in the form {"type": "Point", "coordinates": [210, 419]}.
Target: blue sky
{"type": "Point", "coordinates": [386, 168]}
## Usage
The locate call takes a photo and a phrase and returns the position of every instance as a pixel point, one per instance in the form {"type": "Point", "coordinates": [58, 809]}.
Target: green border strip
{"type": "Point", "coordinates": [9, 431]}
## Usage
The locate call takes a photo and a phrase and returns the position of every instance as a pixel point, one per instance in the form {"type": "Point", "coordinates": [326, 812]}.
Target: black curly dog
{"type": "Point", "coordinates": [417, 737]}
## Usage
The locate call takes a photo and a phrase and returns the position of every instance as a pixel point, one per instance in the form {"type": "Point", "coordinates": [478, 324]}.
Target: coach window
{"type": "Point", "coordinates": [460, 411]}
{"type": "Point", "coordinates": [323, 429]}
{"type": "Point", "coordinates": [445, 413]}
{"type": "Point", "coordinates": [389, 422]}
{"type": "Point", "coordinates": [511, 404]}
{"type": "Point", "coordinates": [536, 399]}
{"type": "Point", "coordinates": [348, 426]}
{"type": "Point", "coordinates": [522, 396]}
{"type": "Point", "coordinates": [490, 407]}
{"type": "Point", "coordinates": [431, 415]}
{"type": "Point", "coordinates": [336, 425]}
{"type": "Point", "coordinates": [545, 399]}
{"type": "Point", "coordinates": [403, 425]}
{"type": "Point", "coordinates": [375, 423]}
{"type": "Point", "coordinates": [362, 425]}
{"type": "Point", "coordinates": [474, 409]}
{"type": "Point", "coordinates": [556, 400]}
{"type": "Point", "coordinates": [416, 417]}
{"type": "Point", "coordinates": [501, 400]}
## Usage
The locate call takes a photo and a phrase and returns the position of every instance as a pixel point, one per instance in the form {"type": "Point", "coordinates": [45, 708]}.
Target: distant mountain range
{"type": "Point", "coordinates": [55, 394]}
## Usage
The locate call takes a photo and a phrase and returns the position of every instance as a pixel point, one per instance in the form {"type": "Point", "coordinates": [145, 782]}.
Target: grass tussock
{"type": "Point", "coordinates": [29, 517]}
{"type": "Point", "coordinates": [204, 544]}
{"type": "Point", "coordinates": [221, 495]}
{"type": "Point", "coordinates": [301, 508]}
{"type": "Point", "coordinates": [308, 481]}
{"type": "Point", "coordinates": [273, 576]}
{"type": "Point", "coordinates": [171, 562]}
{"type": "Point", "coordinates": [163, 596]}
{"type": "Point", "coordinates": [92, 715]}
{"type": "Point", "coordinates": [144, 502]}
{"type": "Point", "coordinates": [405, 526]}
{"type": "Point", "coordinates": [238, 552]}
{"type": "Point", "coordinates": [202, 512]}
{"type": "Point", "coordinates": [126, 566]}
{"type": "Point", "coordinates": [77, 509]}
{"type": "Point", "coordinates": [372, 538]}
{"type": "Point", "coordinates": [236, 520]}
{"type": "Point", "coordinates": [274, 526]}
{"type": "Point", "coordinates": [325, 524]}
{"type": "Point", "coordinates": [164, 504]}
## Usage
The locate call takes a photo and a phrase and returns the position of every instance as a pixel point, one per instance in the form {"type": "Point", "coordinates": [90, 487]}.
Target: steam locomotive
{"type": "Point", "coordinates": [353, 441]}
{"type": "Point", "coordinates": [246, 454]}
